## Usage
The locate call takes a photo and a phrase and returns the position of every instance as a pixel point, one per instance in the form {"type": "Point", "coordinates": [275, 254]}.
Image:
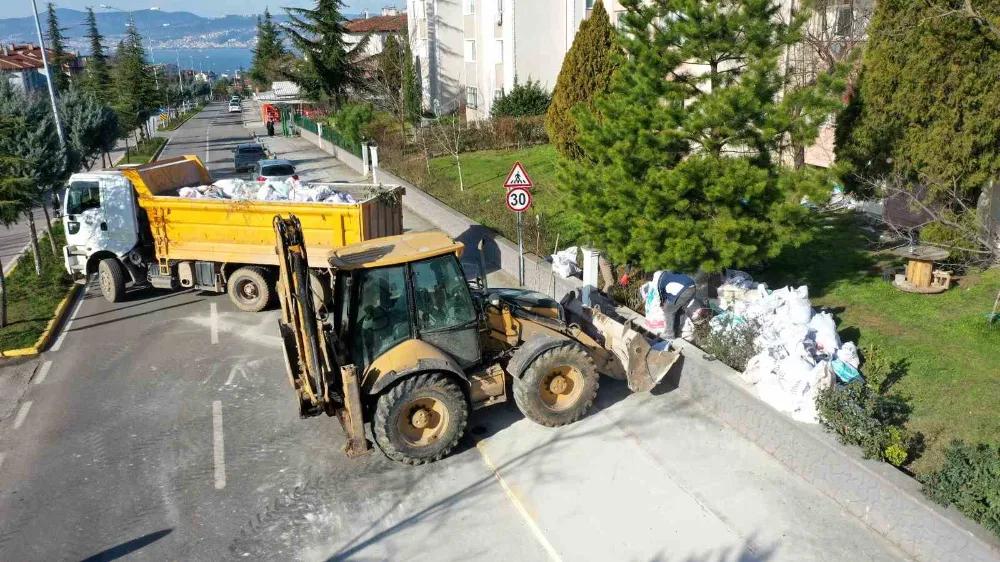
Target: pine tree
{"type": "Point", "coordinates": [925, 105]}
{"type": "Point", "coordinates": [269, 54]}
{"type": "Point", "coordinates": [679, 165]}
{"type": "Point", "coordinates": [586, 73]}
{"type": "Point", "coordinates": [411, 87]}
{"type": "Point", "coordinates": [328, 72]}
{"type": "Point", "coordinates": [57, 44]}
{"type": "Point", "coordinates": [391, 64]}
{"type": "Point", "coordinates": [133, 83]}
{"type": "Point", "coordinates": [97, 79]}
{"type": "Point", "coordinates": [91, 128]}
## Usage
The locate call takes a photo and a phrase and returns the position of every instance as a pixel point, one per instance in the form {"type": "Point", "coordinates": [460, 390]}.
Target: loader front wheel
{"type": "Point", "coordinates": [248, 289]}
{"type": "Point", "coordinates": [558, 387]}
{"type": "Point", "coordinates": [421, 419]}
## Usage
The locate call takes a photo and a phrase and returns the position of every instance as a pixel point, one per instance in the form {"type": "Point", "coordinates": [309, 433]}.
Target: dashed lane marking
{"type": "Point", "coordinates": [22, 414]}
{"type": "Point", "coordinates": [219, 445]}
{"type": "Point", "coordinates": [43, 371]}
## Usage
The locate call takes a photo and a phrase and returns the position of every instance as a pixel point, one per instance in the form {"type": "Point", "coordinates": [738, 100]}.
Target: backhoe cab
{"type": "Point", "coordinates": [393, 335]}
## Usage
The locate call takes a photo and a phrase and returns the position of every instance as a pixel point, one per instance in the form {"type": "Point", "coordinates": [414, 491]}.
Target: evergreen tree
{"type": "Point", "coordinates": [522, 100]}
{"type": "Point", "coordinates": [679, 165]}
{"type": "Point", "coordinates": [269, 54]}
{"type": "Point", "coordinates": [391, 64]}
{"type": "Point", "coordinates": [91, 128]}
{"type": "Point", "coordinates": [97, 78]}
{"type": "Point", "coordinates": [328, 72]}
{"type": "Point", "coordinates": [133, 83]}
{"type": "Point", "coordinates": [411, 86]}
{"type": "Point", "coordinates": [57, 43]}
{"type": "Point", "coordinates": [585, 74]}
{"type": "Point", "coordinates": [15, 188]}
{"type": "Point", "coordinates": [925, 106]}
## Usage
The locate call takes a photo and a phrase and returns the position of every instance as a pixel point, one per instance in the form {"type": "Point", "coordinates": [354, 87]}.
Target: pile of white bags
{"type": "Point", "coordinates": [656, 321]}
{"type": "Point", "coordinates": [564, 262]}
{"type": "Point", "coordinates": [270, 190]}
{"type": "Point", "coordinates": [799, 350]}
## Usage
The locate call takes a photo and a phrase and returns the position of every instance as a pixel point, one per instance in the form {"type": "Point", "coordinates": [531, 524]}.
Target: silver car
{"type": "Point", "coordinates": [277, 170]}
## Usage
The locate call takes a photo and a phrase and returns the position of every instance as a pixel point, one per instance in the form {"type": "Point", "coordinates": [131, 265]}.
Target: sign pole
{"type": "Point", "coordinates": [520, 249]}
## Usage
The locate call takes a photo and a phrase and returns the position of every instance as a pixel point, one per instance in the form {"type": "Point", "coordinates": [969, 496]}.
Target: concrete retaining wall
{"type": "Point", "coordinates": [884, 498]}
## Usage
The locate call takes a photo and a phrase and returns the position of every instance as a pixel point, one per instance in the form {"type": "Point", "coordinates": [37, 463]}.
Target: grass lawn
{"type": "Point", "coordinates": [144, 152]}
{"type": "Point", "coordinates": [31, 299]}
{"type": "Point", "coordinates": [483, 199]}
{"type": "Point", "coordinates": [953, 379]}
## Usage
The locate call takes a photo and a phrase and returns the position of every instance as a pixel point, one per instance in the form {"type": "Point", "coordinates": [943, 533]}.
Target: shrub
{"type": "Point", "coordinates": [865, 414]}
{"type": "Point", "coordinates": [969, 480]}
{"type": "Point", "coordinates": [352, 119]}
{"type": "Point", "coordinates": [522, 100]}
{"type": "Point", "coordinates": [733, 346]}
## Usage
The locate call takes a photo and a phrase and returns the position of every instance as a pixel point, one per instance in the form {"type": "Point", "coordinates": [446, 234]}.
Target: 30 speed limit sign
{"type": "Point", "coordinates": [518, 199]}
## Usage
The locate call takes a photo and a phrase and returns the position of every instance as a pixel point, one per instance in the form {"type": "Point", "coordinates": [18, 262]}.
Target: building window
{"type": "Point", "coordinates": [497, 94]}
{"type": "Point", "coordinates": [498, 45]}
{"type": "Point", "coordinates": [472, 97]}
{"type": "Point", "coordinates": [470, 7]}
{"type": "Point", "coordinates": [590, 4]}
{"type": "Point", "coordinates": [470, 50]}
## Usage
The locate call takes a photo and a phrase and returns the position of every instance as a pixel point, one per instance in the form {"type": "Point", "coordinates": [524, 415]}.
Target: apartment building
{"type": "Point", "coordinates": [22, 67]}
{"type": "Point", "coordinates": [471, 51]}
{"type": "Point", "coordinates": [376, 28]}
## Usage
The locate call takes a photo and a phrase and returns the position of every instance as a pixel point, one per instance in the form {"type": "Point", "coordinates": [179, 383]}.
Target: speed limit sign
{"type": "Point", "coordinates": [518, 199]}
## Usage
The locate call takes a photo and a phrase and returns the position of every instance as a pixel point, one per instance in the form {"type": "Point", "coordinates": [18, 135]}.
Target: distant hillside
{"type": "Point", "coordinates": [165, 29]}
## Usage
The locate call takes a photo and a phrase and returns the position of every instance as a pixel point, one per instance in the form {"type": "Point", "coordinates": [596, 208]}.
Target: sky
{"type": "Point", "coordinates": [200, 7]}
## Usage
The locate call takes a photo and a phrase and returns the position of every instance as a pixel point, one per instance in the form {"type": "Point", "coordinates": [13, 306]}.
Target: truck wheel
{"type": "Point", "coordinates": [112, 278]}
{"type": "Point", "coordinates": [421, 419]}
{"type": "Point", "coordinates": [248, 289]}
{"type": "Point", "coordinates": [558, 387]}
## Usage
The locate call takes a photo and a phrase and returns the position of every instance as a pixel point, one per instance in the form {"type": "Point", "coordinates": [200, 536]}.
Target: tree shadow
{"type": "Point", "coordinates": [128, 547]}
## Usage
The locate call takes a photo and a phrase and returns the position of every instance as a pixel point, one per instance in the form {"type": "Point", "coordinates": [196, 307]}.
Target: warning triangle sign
{"type": "Point", "coordinates": [517, 177]}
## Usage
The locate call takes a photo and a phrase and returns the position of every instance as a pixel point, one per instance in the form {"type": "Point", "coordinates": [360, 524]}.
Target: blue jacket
{"type": "Point", "coordinates": [668, 277]}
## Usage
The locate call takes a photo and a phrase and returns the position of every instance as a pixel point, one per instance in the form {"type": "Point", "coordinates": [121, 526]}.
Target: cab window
{"type": "Point", "coordinates": [82, 195]}
{"type": "Point", "coordinates": [440, 294]}
{"type": "Point", "coordinates": [383, 317]}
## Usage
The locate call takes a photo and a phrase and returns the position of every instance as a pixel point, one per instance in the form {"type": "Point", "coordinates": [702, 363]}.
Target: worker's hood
{"type": "Point", "coordinates": [531, 301]}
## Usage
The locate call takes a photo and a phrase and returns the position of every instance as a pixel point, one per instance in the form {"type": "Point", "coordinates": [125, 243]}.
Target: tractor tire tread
{"type": "Point", "coordinates": [526, 394]}
{"type": "Point", "coordinates": [382, 426]}
{"type": "Point", "coordinates": [266, 291]}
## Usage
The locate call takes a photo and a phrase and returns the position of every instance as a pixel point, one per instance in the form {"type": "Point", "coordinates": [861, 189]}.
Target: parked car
{"type": "Point", "coordinates": [235, 107]}
{"type": "Point", "coordinates": [246, 155]}
{"type": "Point", "coordinates": [279, 170]}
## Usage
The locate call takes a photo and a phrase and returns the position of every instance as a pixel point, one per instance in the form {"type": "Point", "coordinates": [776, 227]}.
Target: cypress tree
{"type": "Point", "coordinates": [411, 87]}
{"type": "Point", "coordinates": [133, 82]}
{"type": "Point", "coordinates": [328, 72]}
{"type": "Point", "coordinates": [57, 43]}
{"type": "Point", "coordinates": [585, 73]}
{"type": "Point", "coordinates": [926, 104]}
{"type": "Point", "coordinates": [97, 78]}
{"type": "Point", "coordinates": [679, 165]}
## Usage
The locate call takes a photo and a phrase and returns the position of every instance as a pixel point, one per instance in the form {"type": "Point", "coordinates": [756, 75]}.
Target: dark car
{"type": "Point", "coordinates": [245, 156]}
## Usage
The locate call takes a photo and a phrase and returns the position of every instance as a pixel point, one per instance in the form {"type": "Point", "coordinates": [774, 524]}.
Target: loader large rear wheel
{"type": "Point", "coordinates": [421, 419]}
{"type": "Point", "coordinates": [558, 387]}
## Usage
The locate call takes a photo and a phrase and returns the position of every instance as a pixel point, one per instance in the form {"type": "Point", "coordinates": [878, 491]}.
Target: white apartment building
{"type": "Point", "coordinates": [376, 28]}
{"type": "Point", "coordinates": [471, 51]}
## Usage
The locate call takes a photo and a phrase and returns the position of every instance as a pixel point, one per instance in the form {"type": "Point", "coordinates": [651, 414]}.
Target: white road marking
{"type": "Point", "coordinates": [523, 511]}
{"type": "Point", "coordinates": [208, 151]}
{"type": "Point", "coordinates": [215, 323]}
{"type": "Point", "coordinates": [69, 324]}
{"type": "Point", "coordinates": [232, 374]}
{"type": "Point", "coordinates": [22, 414]}
{"type": "Point", "coordinates": [44, 370]}
{"type": "Point", "coordinates": [220, 449]}
{"type": "Point", "coordinates": [2, 455]}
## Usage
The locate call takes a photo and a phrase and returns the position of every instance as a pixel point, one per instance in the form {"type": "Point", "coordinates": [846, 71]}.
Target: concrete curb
{"type": "Point", "coordinates": [883, 498]}
{"type": "Point", "coordinates": [50, 329]}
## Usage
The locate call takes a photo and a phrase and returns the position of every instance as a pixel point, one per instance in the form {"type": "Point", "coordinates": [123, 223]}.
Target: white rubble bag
{"type": "Point", "coordinates": [827, 339]}
{"type": "Point", "coordinates": [848, 353]}
{"type": "Point", "coordinates": [564, 262]}
{"type": "Point", "coordinates": [656, 321]}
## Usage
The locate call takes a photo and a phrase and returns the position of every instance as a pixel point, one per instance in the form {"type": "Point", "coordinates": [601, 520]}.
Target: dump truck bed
{"type": "Point", "coordinates": [235, 231]}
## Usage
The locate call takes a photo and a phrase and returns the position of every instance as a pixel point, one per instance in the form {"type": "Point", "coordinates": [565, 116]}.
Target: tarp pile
{"type": "Point", "coordinates": [270, 190]}
{"type": "Point", "coordinates": [799, 350]}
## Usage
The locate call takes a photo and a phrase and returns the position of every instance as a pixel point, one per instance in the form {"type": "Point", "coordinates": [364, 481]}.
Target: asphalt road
{"type": "Point", "coordinates": [163, 428]}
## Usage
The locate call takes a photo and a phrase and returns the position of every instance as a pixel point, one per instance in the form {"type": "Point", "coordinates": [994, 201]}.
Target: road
{"type": "Point", "coordinates": [163, 428]}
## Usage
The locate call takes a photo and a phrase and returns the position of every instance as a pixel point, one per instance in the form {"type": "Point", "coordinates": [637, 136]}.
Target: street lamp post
{"type": "Point", "coordinates": [48, 76]}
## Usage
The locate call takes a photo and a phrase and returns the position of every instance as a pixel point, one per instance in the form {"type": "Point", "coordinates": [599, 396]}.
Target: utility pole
{"type": "Point", "coordinates": [48, 76]}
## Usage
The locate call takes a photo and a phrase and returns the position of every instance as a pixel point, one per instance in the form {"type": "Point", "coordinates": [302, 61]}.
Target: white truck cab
{"type": "Point", "coordinates": [101, 220]}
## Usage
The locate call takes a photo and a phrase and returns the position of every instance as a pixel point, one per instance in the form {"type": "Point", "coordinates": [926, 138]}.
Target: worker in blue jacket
{"type": "Point", "coordinates": [676, 292]}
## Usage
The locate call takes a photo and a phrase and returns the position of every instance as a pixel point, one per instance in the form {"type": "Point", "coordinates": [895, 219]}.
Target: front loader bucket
{"type": "Point", "coordinates": [642, 366]}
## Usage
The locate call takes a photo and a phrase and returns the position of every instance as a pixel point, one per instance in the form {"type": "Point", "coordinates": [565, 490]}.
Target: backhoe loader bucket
{"type": "Point", "coordinates": [643, 366]}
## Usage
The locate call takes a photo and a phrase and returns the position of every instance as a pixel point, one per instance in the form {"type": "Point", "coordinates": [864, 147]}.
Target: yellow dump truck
{"type": "Point", "coordinates": [131, 228]}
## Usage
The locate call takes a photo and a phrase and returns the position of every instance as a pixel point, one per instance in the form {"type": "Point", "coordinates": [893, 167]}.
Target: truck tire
{"type": "Point", "coordinates": [111, 275]}
{"type": "Point", "coordinates": [421, 419]}
{"type": "Point", "coordinates": [558, 387]}
{"type": "Point", "coordinates": [249, 289]}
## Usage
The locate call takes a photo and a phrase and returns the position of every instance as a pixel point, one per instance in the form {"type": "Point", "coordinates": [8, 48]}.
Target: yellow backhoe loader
{"type": "Point", "coordinates": [392, 334]}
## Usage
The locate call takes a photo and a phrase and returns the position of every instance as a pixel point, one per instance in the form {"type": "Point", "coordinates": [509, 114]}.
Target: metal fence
{"type": "Point", "coordinates": [329, 134]}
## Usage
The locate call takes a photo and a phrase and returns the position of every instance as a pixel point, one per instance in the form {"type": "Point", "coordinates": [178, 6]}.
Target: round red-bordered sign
{"type": "Point", "coordinates": [518, 199]}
